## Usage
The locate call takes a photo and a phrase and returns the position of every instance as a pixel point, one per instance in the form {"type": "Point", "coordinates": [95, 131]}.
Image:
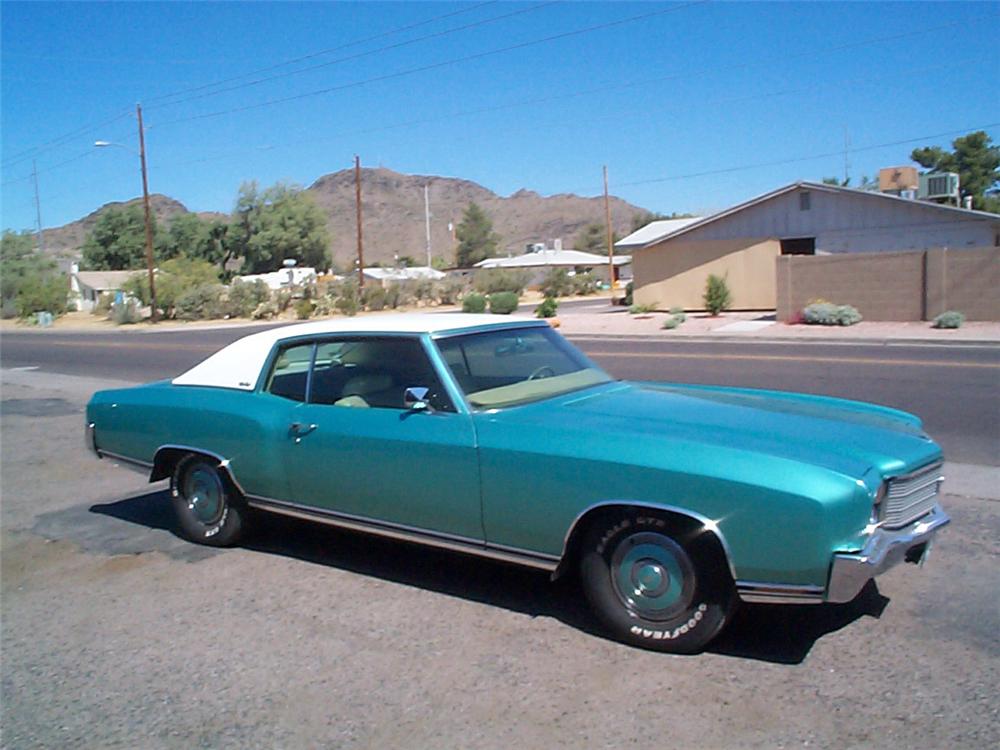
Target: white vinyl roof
{"type": "Point", "coordinates": [403, 274]}
{"type": "Point", "coordinates": [654, 231]}
{"type": "Point", "coordinates": [239, 364]}
{"type": "Point", "coordinates": [553, 258]}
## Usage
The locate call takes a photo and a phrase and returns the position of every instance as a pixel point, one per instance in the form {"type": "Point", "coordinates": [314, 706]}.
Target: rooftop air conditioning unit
{"type": "Point", "coordinates": [938, 185]}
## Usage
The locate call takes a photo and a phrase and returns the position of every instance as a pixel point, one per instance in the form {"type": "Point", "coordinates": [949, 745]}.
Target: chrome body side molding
{"type": "Point", "coordinates": [143, 467]}
{"type": "Point", "coordinates": [441, 540]}
{"type": "Point", "coordinates": [755, 592]}
{"type": "Point", "coordinates": [223, 462]}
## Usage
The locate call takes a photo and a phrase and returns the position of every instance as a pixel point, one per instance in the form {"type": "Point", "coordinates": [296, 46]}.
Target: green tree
{"type": "Point", "coordinates": [717, 296]}
{"type": "Point", "coordinates": [975, 159]}
{"type": "Point", "coordinates": [275, 225]}
{"type": "Point", "coordinates": [476, 239]}
{"type": "Point", "coordinates": [593, 238]}
{"type": "Point", "coordinates": [29, 282]}
{"type": "Point", "coordinates": [118, 240]}
{"type": "Point", "coordinates": [174, 279]}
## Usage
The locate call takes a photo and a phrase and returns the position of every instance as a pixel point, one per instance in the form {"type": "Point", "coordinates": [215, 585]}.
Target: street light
{"type": "Point", "coordinates": [145, 202]}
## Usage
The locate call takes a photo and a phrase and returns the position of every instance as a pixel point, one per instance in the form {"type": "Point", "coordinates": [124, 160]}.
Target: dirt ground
{"type": "Point", "coordinates": [116, 633]}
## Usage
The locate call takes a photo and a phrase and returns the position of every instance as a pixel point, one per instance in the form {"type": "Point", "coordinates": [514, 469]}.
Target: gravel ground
{"type": "Point", "coordinates": [115, 633]}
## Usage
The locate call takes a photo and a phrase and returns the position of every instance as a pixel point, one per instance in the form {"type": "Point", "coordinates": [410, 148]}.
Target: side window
{"type": "Point", "coordinates": [290, 372]}
{"type": "Point", "coordinates": [374, 373]}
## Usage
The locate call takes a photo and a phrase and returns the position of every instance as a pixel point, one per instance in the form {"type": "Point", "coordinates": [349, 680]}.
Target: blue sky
{"type": "Point", "coordinates": [688, 89]}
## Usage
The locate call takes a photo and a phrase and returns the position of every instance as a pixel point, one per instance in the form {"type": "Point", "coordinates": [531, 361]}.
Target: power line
{"type": "Point", "coordinates": [356, 56]}
{"type": "Point", "coordinates": [434, 66]}
{"type": "Point", "coordinates": [48, 145]}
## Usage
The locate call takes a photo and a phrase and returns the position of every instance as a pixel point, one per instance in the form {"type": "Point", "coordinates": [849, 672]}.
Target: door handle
{"type": "Point", "coordinates": [298, 429]}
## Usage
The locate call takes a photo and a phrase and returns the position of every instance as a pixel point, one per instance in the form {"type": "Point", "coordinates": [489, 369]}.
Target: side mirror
{"type": "Point", "coordinates": [415, 398]}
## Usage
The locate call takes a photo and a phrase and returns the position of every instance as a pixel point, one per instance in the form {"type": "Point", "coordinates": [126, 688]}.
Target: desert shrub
{"type": "Point", "coordinates": [103, 305]}
{"type": "Point", "coordinates": [450, 289]}
{"type": "Point", "coordinates": [394, 296]}
{"type": "Point", "coordinates": [829, 314]}
{"type": "Point", "coordinates": [628, 294]}
{"type": "Point", "coordinates": [203, 302]}
{"type": "Point", "coordinates": [557, 283]}
{"type": "Point", "coordinates": [126, 312]}
{"type": "Point", "coordinates": [282, 299]}
{"type": "Point", "coordinates": [678, 311]}
{"type": "Point", "coordinates": [246, 296]}
{"type": "Point", "coordinates": [348, 299]}
{"type": "Point", "coordinates": [717, 296]}
{"type": "Point", "coordinates": [641, 309]}
{"type": "Point", "coordinates": [474, 303]}
{"type": "Point", "coordinates": [673, 321]}
{"type": "Point", "coordinates": [373, 297]}
{"type": "Point", "coordinates": [42, 292]}
{"type": "Point", "coordinates": [547, 309]}
{"type": "Point", "coordinates": [304, 309]}
{"type": "Point", "coordinates": [949, 319]}
{"type": "Point", "coordinates": [422, 290]}
{"type": "Point", "coordinates": [585, 283]}
{"type": "Point", "coordinates": [174, 279]}
{"type": "Point", "coordinates": [491, 280]}
{"type": "Point", "coordinates": [264, 311]}
{"type": "Point", "coordinates": [503, 303]}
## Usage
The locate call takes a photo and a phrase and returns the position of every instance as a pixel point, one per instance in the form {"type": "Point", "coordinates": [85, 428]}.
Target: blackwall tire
{"type": "Point", "coordinates": [209, 509]}
{"type": "Point", "coordinates": [655, 586]}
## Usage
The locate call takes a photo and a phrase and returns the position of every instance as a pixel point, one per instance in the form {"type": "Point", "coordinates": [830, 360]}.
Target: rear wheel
{"type": "Point", "coordinates": [208, 507]}
{"type": "Point", "coordinates": [654, 584]}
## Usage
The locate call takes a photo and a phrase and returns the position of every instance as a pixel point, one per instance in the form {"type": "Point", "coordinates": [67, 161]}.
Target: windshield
{"type": "Point", "coordinates": [517, 366]}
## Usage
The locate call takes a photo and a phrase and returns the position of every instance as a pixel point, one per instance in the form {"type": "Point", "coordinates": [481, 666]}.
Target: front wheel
{"type": "Point", "coordinates": [209, 509]}
{"type": "Point", "coordinates": [656, 585]}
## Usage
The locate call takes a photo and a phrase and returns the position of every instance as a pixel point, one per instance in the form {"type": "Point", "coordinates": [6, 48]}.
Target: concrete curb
{"type": "Point", "coordinates": [739, 339]}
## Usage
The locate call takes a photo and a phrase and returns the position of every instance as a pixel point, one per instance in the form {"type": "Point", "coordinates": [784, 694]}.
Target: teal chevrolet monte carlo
{"type": "Point", "coordinates": [500, 439]}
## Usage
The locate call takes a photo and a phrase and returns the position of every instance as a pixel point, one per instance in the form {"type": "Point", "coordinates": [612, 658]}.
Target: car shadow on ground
{"type": "Point", "coordinates": [777, 634]}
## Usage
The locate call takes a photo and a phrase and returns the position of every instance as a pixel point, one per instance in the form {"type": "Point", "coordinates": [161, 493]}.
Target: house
{"type": "Point", "coordinates": [383, 276]}
{"type": "Point", "coordinates": [285, 277]}
{"type": "Point", "coordinates": [742, 243]}
{"type": "Point", "coordinates": [541, 261]}
{"type": "Point", "coordinates": [86, 287]}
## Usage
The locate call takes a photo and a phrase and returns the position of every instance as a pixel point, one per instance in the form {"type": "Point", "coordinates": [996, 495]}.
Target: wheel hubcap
{"type": "Point", "coordinates": [204, 493]}
{"type": "Point", "coordinates": [653, 576]}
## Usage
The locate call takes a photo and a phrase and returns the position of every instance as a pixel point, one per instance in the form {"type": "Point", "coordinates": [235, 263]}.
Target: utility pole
{"type": "Point", "coordinates": [611, 248]}
{"type": "Point", "coordinates": [38, 207]}
{"type": "Point", "coordinates": [427, 223]}
{"type": "Point", "coordinates": [357, 201]}
{"type": "Point", "coordinates": [154, 315]}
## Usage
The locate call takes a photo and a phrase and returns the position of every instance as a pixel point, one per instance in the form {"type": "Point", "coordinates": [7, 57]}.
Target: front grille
{"type": "Point", "coordinates": [911, 496]}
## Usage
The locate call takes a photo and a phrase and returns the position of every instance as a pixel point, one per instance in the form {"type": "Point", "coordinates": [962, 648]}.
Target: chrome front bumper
{"type": "Point", "coordinates": [886, 548]}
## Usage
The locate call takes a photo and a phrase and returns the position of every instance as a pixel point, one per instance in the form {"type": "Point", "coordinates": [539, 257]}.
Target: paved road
{"type": "Point", "coordinates": [955, 389]}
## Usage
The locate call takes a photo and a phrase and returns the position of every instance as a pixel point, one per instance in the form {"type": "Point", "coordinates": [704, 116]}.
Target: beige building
{"type": "Point", "coordinates": [742, 243]}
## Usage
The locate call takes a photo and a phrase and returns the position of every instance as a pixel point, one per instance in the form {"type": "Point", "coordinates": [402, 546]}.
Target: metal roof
{"type": "Point", "coordinates": [823, 187]}
{"type": "Point", "coordinates": [655, 231]}
{"type": "Point", "coordinates": [543, 258]}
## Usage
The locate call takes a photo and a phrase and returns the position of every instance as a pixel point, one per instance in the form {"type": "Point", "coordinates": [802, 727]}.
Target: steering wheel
{"type": "Point", "coordinates": [542, 372]}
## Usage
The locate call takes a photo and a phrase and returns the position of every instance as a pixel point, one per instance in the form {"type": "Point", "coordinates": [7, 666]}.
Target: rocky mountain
{"type": "Point", "coordinates": [393, 215]}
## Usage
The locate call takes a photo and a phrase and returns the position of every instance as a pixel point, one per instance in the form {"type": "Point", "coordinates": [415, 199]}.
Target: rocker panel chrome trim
{"type": "Point", "coordinates": [129, 463]}
{"type": "Point", "coordinates": [755, 592]}
{"type": "Point", "coordinates": [441, 540]}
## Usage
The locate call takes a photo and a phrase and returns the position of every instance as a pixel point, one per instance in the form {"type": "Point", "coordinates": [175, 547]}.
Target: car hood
{"type": "Point", "coordinates": [846, 436]}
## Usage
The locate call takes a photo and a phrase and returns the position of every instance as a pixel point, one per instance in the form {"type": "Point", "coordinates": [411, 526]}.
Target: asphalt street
{"type": "Point", "coordinates": [953, 388]}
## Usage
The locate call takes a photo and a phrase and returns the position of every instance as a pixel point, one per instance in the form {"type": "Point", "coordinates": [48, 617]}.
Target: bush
{"type": "Point", "coordinates": [449, 290]}
{"type": "Point", "coordinates": [585, 283]}
{"type": "Point", "coordinates": [373, 297]}
{"type": "Point", "coordinates": [547, 309]}
{"type": "Point", "coordinates": [174, 279]}
{"type": "Point", "coordinates": [304, 309]}
{"type": "Point", "coordinates": [103, 304]}
{"type": "Point", "coordinates": [126, 312]}
{"type": "Point", "coordinates": [348, 298]}
{"type": "Point", "coordinates": [491, 280]}
{"type": "Point", "coordinates": [949, 319]}
{"type": "Point", "coordinates": [557, 283]}
{"type": "Point", "coordinates": [641, 309]}
{"type": "Point", "coordinates": [673, 321]}
{"type": "Point", "coordinates": [204, 302]}
{"type": "Point", "coordinates": [246, 296]}
{"type": "Point", "coordinates": [42, 292]}
{"type": "Point", "coordinates": [503, 303]}
{"type": "Point", "coordinates": [627, 300]}
{"type": "Point", "coordinates": [717, 297]}
{"type": "Point", "coordinates": [829, 314]}
{"type": "Point", "coordinates": [474, 303]}
{"type": "Point", "coordinates": [264, 311]}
